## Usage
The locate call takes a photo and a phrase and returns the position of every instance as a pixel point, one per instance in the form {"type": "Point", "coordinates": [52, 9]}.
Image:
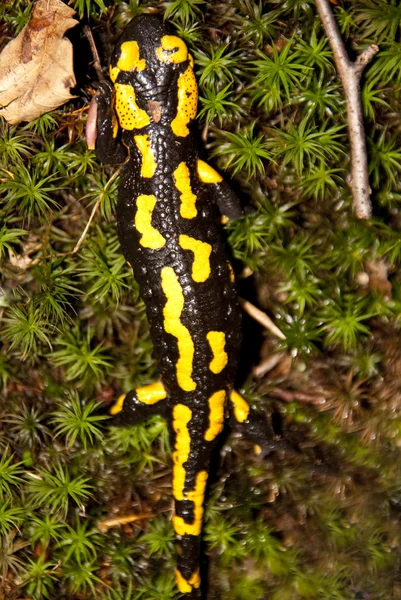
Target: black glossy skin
{"type": "Point", "coordinates": [209, 305]}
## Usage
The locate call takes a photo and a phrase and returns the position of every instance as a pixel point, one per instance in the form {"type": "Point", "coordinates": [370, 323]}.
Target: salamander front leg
{"type": "Point", "coordinates": [109, 150]}
{"type": "Point", "coordinates": [226, 199]}
{"type": "Point", "coordinates": [139, 404]}
{"type": "Point", "coordinates": [254, 426]}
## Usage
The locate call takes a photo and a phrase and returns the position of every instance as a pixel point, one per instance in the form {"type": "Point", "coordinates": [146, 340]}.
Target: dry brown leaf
{"type": "Point", "coordinates": [36, 70]}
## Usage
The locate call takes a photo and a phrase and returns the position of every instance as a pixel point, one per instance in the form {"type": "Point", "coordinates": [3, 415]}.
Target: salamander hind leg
{"type": "Point", "coordinates": [254, 426]}
{"type": "Point", "coordinates": [139, 404]}
{"type": "Point", "coordinates": [225, 198]}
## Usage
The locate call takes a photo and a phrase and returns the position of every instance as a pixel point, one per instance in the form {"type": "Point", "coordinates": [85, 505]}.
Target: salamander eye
{"type": "Point", "coordinates": [129, 57]}
{"type": "Point", "coordinates": [172, 50]}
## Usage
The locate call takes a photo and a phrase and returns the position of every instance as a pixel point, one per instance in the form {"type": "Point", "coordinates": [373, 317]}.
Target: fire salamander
{"type": "Point", "coordinates": [168, 224]}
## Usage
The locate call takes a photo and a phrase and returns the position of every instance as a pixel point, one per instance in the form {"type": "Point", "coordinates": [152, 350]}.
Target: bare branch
{"type": "Point", "coordinates": [365, 57]}
{"type": "Point", "coordinates": [96, 59]}
{"type": "Point", "coordinates": [350, 75]}
{"type": "Point", "coordinates": [333, 34]}
{"type": "Point", "coordinates": [105, 525]}
{"type": "Point", "coordinates": [261, 318]}
{"type": "Point", "coordinates": [291, 396]}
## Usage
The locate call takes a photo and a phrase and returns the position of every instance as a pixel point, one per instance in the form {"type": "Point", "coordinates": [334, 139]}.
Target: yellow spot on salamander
{"type": "Point", "coordinates": [181, 417]}
{"type": "Point", "coordinates": [202, 251]}
{"type": "Point", "coordinates": [114, 122]}
{"type": "Point", "coordinates": [257, 450]}
{"type": "Point", "coordinates": [114, 71]}
{"type": "Point", "coordinates": [118, 405]}
{"type": "Point", "coordinates": [172, 324]}
{"type": "Point", "coordinates": [188, 199]}
{"type": "Point", "coordinates": [129, 114]}
{"type": "Point", "coordinates": [197, 497]}
{"type": "Point", "coordinates": [148, 167]}
{"type": "Point", "coordinates": [151, 394]}
{"type": "Point", "coordinates": [216, 415]}
{"type": "Point", "coordinates": [187, 92]}
{"type": "Point", "coordinates": [151, 238]}
{"type": "Point", "coordinates": [217, 341]}
{"type": "Point", "coordinates": [185, 586]}
{"type": "Point", "coordinates": [129, 57]}
{"type": "Point", "coordinates": [172, 50]}
{"type": "Point", "coordinates": [241, 407]}
{"type": "Point", "coordinates": [195, 580]}
{"type": "Point", "coordinates": [207, 174]}
{"type": "Point", "coordinates": [232, 274]}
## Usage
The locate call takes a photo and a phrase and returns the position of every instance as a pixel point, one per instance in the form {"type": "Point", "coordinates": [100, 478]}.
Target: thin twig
{"type": "Point", "coordinates": [350, 75]}
{"type": "Point", "coordinates": [261, 318]}
{"type": "Point", "coordinates": [92, 215]}
{"type": "Point", "coordinates": [267, 364]}
{"type": "Point", "coordinates": [291, 396]}
{"type": "Point", "coordinates": [118, 521]}
{"type": "Point", "coordinates": [96, 59]}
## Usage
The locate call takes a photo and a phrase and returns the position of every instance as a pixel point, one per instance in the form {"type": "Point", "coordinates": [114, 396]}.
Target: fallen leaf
{"type": "Point", "coordinates": [36, 67]}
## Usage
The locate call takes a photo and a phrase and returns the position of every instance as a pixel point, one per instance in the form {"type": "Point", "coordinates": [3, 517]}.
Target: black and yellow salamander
{"type": "Point", "coordinates": [168, 222]}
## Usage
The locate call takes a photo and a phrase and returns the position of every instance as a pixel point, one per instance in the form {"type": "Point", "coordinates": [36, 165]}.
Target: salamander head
{"type": "Point", "coordinates": [139, 40]}
{"type": "Point", "coordinates": [152, 71]}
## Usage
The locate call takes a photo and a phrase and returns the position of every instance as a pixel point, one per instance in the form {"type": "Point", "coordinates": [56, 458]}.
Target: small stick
{"type": "Point", "coordinates": [350, 75]}
{"type": "Point", "coordinates": [96, 59]}
{"type": "Point", "coordinates": [261, 318]}
{"type": "Point", "coordinates": [118, 521]}
{"type": "Point", "coordinates": [290, 396]}
{"type": "Point", "coordinates": [92, 215]}
{"type": "Point", "coordinates": [267, 364]}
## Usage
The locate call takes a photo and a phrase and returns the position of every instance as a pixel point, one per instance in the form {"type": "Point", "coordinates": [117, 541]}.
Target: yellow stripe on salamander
{"type": "Point", "coordinates": [181, 417]}
{"type": "Point", "coordinates": [187, 91]}
{"type": "Point", "coordinates": [172, 324]}
{"type": "Point", "coordinates": [148, 167]}
{"type": "Point", "coordinates": [202, 251]}
{"type": "Point", "coordinates": [217, 341]}
{"type": "Point", "coordinates": [185, 586]}
{"type": "Point", "coordinates": [216, 415]}
{"type": "Point", "coordinates": [151, 238]}
{"type": "Point", "coordinates": [188, 199]}
{"type": "Point", "coordinates": [129, 114]}
{"type": "Point", "coordinates": [197, 497]}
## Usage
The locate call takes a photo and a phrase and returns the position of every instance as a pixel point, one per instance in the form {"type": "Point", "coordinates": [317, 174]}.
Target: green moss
{"type": "Point", "coordinates": [318, 518]}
